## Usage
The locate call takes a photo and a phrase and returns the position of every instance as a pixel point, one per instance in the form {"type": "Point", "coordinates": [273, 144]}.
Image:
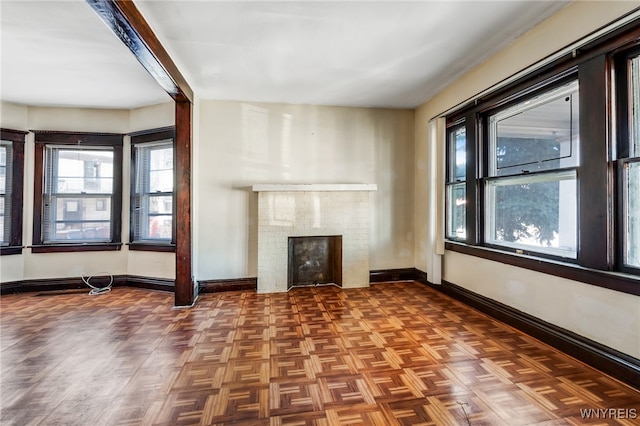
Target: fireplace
{"type": "Point", "coordinates": [314, 260]}
{"type": "Point", "coordinates": [333, 216]}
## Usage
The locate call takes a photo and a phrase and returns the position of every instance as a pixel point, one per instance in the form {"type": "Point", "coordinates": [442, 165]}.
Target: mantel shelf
{"type": "Point", "coordinates": [311, 187]}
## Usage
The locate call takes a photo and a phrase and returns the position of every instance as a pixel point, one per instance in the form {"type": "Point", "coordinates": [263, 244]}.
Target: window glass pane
{"type": "Point", "coordinates": [635, 90]}
{"type": "Point", "coordinates": [152, 214]}
{"type": "Point", "coordinates": [539, 134]}
{"type": "Point", "coordinates": [3, 168]}
{"type": "Point", "coordinates": [160, 227]}
{"type": "Point", "coordinates": [78, 218]}
{"type": "Point", "coordinates": [3, 235]}
{"type": "Point", "coordinates": [6, 161]}
{"type": "Point", "coordinates": [161, 169]}
{"type": "Point", "coordinates": [537, 213]}
{"type": "Point", "coordinates": [632, 216]}
{"type": "Point", "coordinates": [84, 231]}
{"type": "Point", "coordinates": [160, 204]}
{"type": "Point", "coordinates": [76, 171]}
{"type": "Point", "coordinates": [458, 155]}
{"type": "Point", "coordinates": [456, 216]}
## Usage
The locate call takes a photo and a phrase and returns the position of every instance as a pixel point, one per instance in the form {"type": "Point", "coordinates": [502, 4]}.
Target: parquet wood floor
{"type": "Point", "coordinates": [391, 354]}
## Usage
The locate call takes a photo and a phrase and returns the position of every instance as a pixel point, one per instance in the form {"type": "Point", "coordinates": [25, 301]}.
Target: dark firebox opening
{"type": "Point", "coordinates": [315, 260]}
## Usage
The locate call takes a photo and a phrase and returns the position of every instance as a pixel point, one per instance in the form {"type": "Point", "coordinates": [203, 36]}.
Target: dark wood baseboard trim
{"type": "Point", "coordinates": [59, 284]}
{"type": "Point", "coordinates": [400, 274]}
{"type": "Point", "coordinates": [608, 360]}
{"type": "Point", "coordinates": [164, 284]}
{"type": "Point", "coordinates": [214, 286]}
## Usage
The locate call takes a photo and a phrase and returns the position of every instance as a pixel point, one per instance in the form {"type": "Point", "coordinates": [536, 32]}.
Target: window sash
{"type": "Point", "coordinates": [6, 188]}
{"type": "Point", "coordinates": [456, 211]}
{"type": "Point", "coordinates": [631, 213]}
{"type": "Point", "coordinates": [568, 158]}
{"type": "Point", "coordinates": [634, 107]}
{"type": "Point", "coordinates": [526, 242]}
{"type": "Point", "coordinates": [457, 155]}
{"type": "Point", "coordinates": [153, 179]}
{"type": "Point", "coordinates": [70, 212]}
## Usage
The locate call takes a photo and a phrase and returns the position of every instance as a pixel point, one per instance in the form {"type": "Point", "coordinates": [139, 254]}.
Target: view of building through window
{"type": "Point", "coordinates": [78, 194]}
{"type": "Point", "coordinates": [153, 195]}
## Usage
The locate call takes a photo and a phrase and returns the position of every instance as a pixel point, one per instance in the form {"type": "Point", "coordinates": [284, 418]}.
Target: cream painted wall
{"type": "Point", "coordinates": [60, 265]}
{"type": "Point", "coordinates": [152, 117]}
{"type": "Point", "coordinates": [241, 144]}
{"type": "Point", "coordinates": [609, 317]}
{"type": "Point", "coordinates": [14, 116]}
{"type": "Point", "coordinates": [600, 314]}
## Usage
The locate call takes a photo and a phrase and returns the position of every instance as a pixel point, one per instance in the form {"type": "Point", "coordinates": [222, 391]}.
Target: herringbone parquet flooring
{"type": "Point", "coordinates": [392, 354]}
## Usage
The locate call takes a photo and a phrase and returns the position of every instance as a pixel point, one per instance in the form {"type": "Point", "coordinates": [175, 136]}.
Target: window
{"type": "Point", "coordinates": [553, 167]}
{"type": "Point", "coordinates": [456, 198]}
{"type": "Point", "coordinates": [531, 192]}
{"type": "Point", "coordinates": [6, 170]}
{"type": "Point", "coordinates": [11, 174]}
{"type": "Point", "coordinates": [78, 191]}
{"type": "Point", "coordinates": [152, 197]}
{"type": "Point", "coordinates": [629, 161]}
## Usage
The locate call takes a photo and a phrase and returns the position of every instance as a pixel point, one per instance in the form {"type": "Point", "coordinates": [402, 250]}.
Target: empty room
{"type": "Point", "coordinates": [319, 212]}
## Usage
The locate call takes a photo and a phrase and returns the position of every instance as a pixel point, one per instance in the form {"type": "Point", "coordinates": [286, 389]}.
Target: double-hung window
{"type": "Point", "coordinates": [456, 197]}
{"type": "Point", "coordinates": [11, 174]}
{"type": "Point", "coordinates": [629, 162]}
{"type": "Point", "coordinates": [6, 172]}
{"type": "Point", "coordinates": [553, 167]}
{"type": "Point", "coordinates": [531, 184]}
{"type": "Point", "coordinates": [152, 195]}
{"type": "Point", "coordinates": [78, 198]}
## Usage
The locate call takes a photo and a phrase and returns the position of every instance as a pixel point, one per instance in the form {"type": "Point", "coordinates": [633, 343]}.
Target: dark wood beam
{"type": "Point", "coordinates": [126, 21]}
{"type": "Point", "coordinates": [184, 287]}
{"type": "Point", "coordinates": [129, 25]}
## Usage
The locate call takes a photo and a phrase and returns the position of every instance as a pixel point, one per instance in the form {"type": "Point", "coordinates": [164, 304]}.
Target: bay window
{"type": "Point", "coordinates": [77, 195]}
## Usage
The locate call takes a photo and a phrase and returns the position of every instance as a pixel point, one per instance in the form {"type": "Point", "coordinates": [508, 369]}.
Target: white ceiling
{"type": "Point", "coordinates": [359, 53]}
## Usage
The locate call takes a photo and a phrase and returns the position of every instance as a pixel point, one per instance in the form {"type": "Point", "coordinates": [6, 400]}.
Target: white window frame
{"type": "Point", "coordinates": [525, 177]}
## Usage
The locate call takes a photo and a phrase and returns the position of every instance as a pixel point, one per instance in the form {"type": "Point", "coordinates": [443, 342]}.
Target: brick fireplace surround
{"type": "Point", "coordinates": [312, 210]}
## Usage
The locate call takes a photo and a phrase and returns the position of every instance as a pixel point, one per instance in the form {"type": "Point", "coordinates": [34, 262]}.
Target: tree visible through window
{"type": "Point", "coordinates": [531, 193]}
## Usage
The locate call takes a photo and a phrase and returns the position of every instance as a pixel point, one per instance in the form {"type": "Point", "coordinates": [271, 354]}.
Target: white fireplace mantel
{"type": "Point", "coordinates": [308, 210]}
{"type": "Point", "coordinates": [314, 187]}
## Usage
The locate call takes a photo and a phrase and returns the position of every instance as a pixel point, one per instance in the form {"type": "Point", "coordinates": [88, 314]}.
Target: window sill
{"type": "Point", "coordinates": [611, 280]}
{"type": "Point", "coordinates": [75, 247]}
{"type": "Point", "coordinates": [152, 246]}
{"type": "Point", "coordinates": [8, 250]}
